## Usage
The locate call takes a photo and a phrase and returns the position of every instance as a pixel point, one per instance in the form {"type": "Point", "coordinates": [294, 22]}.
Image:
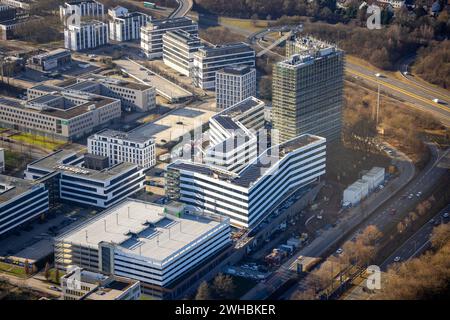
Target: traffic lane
{"type": "Point", "coordinates": [419, 90]}
{"type": "Point", "coordinates": [417, 243]}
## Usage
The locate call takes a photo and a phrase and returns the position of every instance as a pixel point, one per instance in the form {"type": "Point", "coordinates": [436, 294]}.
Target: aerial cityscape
{"type": "Point", "coordinates": [248, 150]}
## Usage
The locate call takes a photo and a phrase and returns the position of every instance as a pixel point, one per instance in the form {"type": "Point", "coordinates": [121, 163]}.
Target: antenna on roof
{"type": "Point", "coordinates": [157, 240]}
{"type": "Point", "coordinates": [86, 235]}
{"type": "Point", "coordinates": [105, 224]}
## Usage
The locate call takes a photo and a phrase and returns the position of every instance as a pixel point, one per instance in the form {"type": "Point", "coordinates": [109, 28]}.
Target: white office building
{"type": "Point", "coordinates": [233, 135]}
{"type": "Point", "coordinates": [20, 202]}
{"type": "Point", "coordinates": [178, 50]}
{"type": "Point", "coordinates": [85, 8]}
{"type": "Point", "coordinates": [102, 186]}
{"type": "Point", "coordinates": [82, 284]}
{"type": "Point", "coordinates": [234, 84]}
{"type": "Point", "coordinates": [125, 25]}
{"type": "Point", "coordinates": [2, 160]}
{"type": "Point", "coordinates": [152, 34]}
{"type": "Point", "coordinates": [123, 147]}
{"type": "Point", "coordinates": [374, 177]}
{"type": "Point", "coordinates": [160, 246]}
{"type": "Point", "coordinates": [208, 60]}
{"type": "Point", "coordinates": [248, 196]}
{"type": "Point", "coordinates": [86, 35]}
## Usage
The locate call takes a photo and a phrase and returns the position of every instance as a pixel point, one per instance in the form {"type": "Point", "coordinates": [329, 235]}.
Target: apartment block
{"type": "Point", "coordinates": [178, 50]}
{"type": "Point", "coordinates": [99, 186]}
{"type": "Point", "coordinates": [247, 196]}
{"type": "Point", "coordinates": [20, 202]}
{"type": "Point", "coordinates": [86, 35]}
{"type": "Point", "coordinates": [307, 92]}
{"type": "Point", "coordinates": [166, 248]}
{"type": "Point", "coordinates": [152, 34]}
{"type": "Point", "coordinates": [234, 84]}
{"type": "Point", "coordinates": [125, 25]}
{"type": "Point", "coordinates": [123, 147]}
{"type": "Point", "coordinates": [210, 59]}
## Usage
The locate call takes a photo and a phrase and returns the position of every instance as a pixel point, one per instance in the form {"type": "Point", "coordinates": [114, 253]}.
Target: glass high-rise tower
{"type": "Point", "coordinates": [308, 90]}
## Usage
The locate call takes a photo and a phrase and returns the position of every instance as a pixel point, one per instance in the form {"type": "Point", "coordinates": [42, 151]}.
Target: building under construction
{"type": "Point", "coordinates": [308, 90]}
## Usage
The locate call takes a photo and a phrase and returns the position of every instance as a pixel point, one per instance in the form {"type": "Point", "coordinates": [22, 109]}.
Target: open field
{"type": "Point", "coordinates": [37, 140]}
{"type": "Point", "coordinates": [13, 270]}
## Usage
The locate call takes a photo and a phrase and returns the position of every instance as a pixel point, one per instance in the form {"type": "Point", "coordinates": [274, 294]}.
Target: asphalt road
{"type": "Point", "coordinates": [417, 243]}
{"type": "Point", "coordinates": [184, 6]}
{"type": "Point", "coordinates": [332, 236]}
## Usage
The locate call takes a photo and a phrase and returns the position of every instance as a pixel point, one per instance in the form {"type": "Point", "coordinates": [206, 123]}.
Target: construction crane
{"type": "Point", "coordinates": [292, 32]}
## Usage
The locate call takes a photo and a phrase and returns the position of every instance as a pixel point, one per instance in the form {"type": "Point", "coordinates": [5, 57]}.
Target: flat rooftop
{"type": "Point", "coordinates": [241, 107]}
{"type": "Point", "coordinates": [113, 81]}
{"type": "Point", "coordinates": [129, 136]}
{"type": "Point", "coordinates": [219, 50]}
{"type": "Point", "coordinates": [11, 187]}
{"type": "Point", "coordinates": [61, 161]}
{"type": "Point", "coordinates": [236, 70]}
{"type": "Point", "coordinates": [142, 228]}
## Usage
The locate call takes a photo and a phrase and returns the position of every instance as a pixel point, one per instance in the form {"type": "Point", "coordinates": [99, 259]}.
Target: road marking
{"type": "Point", "coordinates": [393, 87]}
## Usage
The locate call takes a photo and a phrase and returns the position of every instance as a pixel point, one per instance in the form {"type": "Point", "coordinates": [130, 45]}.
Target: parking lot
{"type": "Point", "coordinates": [36, 238]}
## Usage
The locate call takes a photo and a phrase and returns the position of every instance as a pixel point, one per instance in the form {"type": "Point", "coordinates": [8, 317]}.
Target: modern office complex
{"type": "Point", "coordinates": [86, 35]}
{"type": "Point", "coordinates": [234, 84]}
{"type": "Point", "coordinates": [63, 115]}
{"type": "Point", "coordinates": [82, 284]}
{"type": "Point", "coordinates": [87, 179]}
{"type": "Point", "coordinates": [166, 247]}
{"type": "Point", "coordinates": [85, 8]}
{"type": "Point", "coordinates": [248, 196]}
{"type": "Point", "coordinates": [123, 147]}
{"type": "Point", "coordinates": [20, 201]}
{"type": "Point", "coordinates": [50, 60]}
{"type": "Point", "coordinates": [233, 135]}
{"type": "Point", "coordinates": [133, 96]}
{"type": "Point", "coordinates": [124, 25]}
{"type": "Point", "coordinates": [2, 160]}
{"type": "Point", "coordinates": [178, 50]}
{"type": "Point", "coordinates": [152, 34]}
{"type": "Point", "coordinates": [20, 4]}
{"type": "Point", "coordinates": [307, 91]}
{"type": "Point", "coordinates": [208, 60]}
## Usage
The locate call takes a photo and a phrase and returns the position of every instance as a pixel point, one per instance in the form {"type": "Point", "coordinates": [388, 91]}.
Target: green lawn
{"type": "Point", "coordinates": [12, 269]}
{"type": "Point", "coordinates": [52, 277]}
{"type": "Point", "coordinates": [145, 297]}
{"type": "Point", "coordinates": [41, 141]}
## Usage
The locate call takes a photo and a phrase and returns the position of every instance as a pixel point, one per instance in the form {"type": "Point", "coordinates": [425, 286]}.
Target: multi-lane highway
{"type": "Point", "coordinates": [184, 6]}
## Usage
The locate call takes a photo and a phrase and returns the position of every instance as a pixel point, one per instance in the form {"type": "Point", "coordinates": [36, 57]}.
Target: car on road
{"type": "Point", "coordinates": [410, 196]}
{"type": "Point", "coordinates": [392, 211]}
{"type": "Point", "coordinates": [418, 194]}
{"type": "Point", "coordinates": [397, 259]}
{"type": "Point", "coordinates": [339, 251]}
{"type": "Point", "coordinates": [436, 100]}
{"type": "Point", "coordinates": [445, 215]}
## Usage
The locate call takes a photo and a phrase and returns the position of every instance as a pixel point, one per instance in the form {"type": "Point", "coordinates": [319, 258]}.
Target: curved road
{"type": "Point", "coordinates": [184, 6]}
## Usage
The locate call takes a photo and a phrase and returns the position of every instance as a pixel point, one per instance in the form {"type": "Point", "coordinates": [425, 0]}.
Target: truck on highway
{"type": "Point", "coordinates": [150, 5]}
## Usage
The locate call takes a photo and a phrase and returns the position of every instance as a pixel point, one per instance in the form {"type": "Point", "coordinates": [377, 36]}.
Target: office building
{"type": "Point", "coordinates": [234, 135]}
{"type": "Point", "coordinates": [246, 197]}
{"type": "Point", "coordinates": [85, 8]}
{"type": "Point", "coordinates": [208, 60]}
{"type": "Point", "coordinates": [86, 35]}
{"type": "Point", "coordinates": [96, 186]}
{"type": "Point", "coordinates": [179, 47]}
{"type": "Point", "coordinates": [152, 34]}
{"type": "Point", "coordinates": [64, 115]}
{"type": "Point", "coordinates": [374, 177]}
{"type": "Point", "coordinates": [50, 60]}
{"type": "Point", "coordinates": [132, 95]}
{"type": "Point", "coordinates": [82, 284]}
{"type": "Point", "coordinates": [166, 248]}
{"type": "Point", "coordinates": [20, 4]}
{"type": "Point", "coordinates": [2, 160]}
{"type": "Point", "coordinates": [234, 84]}
{"type": "Point", "coordinates": [125, 25]}
{"type": "Point", "coordinates": [307, 91]}
{"type": "Point", "coordinates": [123, 147]}
{"type": "Point", "coordinates": [20, 202]}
